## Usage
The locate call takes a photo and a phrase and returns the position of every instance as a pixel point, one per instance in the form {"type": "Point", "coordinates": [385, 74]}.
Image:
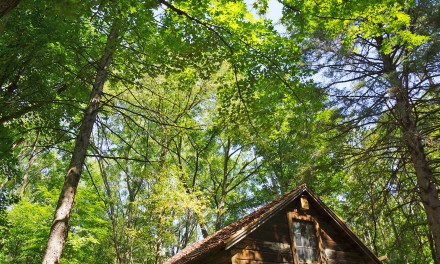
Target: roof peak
{"type": "Point", "coordinates": [235, 232]}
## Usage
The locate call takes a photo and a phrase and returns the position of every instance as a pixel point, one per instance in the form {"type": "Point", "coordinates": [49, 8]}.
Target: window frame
{"type": "Point", "coordinates": [295, 215]}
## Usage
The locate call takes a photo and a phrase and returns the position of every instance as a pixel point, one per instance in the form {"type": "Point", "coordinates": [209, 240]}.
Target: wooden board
{"type": "Point", "coordinates": [245, 254]}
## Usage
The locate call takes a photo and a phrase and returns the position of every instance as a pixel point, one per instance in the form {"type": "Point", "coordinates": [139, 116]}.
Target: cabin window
{"type": "Point", "coordinates": [306, 243]}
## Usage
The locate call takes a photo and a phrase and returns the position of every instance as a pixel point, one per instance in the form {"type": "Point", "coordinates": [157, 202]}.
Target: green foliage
{"type": "Point", "coordinates": [207, 113]}
{"type": "Point", "coordinates": [349, 21]}
{"type": "Point", "coordinates": [28, 231]}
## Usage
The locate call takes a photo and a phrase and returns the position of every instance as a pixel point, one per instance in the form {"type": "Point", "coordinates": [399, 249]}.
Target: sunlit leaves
{"type": "Point", "coordinates": [27, 218]}
{"type": "Point", "coordinates": [354, 19]}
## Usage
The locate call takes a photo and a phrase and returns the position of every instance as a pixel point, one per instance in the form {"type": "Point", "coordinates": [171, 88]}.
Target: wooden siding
{"type": "Point", "coordinates": [219, 257]}
{"type": "Point", "coordinates": [270, 244]}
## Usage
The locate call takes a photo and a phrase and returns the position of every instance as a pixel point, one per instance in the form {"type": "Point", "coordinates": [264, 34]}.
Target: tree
{"type": "Point", "coordinates": [386, 51]}
{"type": "Point", "coordinates": [60, 223]}
{"type": "Point", "coordinates": [150, 161]}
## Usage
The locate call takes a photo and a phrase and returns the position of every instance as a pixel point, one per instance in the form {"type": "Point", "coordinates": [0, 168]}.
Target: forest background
{"type": "Point", "coordinates": [130, 129]}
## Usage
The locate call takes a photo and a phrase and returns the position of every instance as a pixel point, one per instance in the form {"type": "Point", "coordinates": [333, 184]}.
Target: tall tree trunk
{"type": "Point", "coordinates": [60, 224]}
{"type": "Point", "coordinates": [413, 142]}
{"type": "Point", "coordinates": [425, 177]}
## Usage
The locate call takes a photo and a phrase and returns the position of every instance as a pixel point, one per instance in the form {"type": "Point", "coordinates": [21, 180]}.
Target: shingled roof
{"type": "Point", "coordinates": [233, 233]}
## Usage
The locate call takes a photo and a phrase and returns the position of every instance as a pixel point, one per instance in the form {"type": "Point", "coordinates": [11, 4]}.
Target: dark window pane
{"type": "Point", "coordinates": [298, 240]}
{"type": "Point", "coordinates": [303, 228]}
{"type": "Point", "coordinates": [312, 242]}
{"type": "Point", "coordinates": [306, 241]}
{"type": "Point", "coordinates": [310, 228]}
{"type": "Point", "coordinates": [308, 254]}
{"type": "Point", "coordinates": [301, 254]}
{"type": "Point", "coordinates": [314, 255]}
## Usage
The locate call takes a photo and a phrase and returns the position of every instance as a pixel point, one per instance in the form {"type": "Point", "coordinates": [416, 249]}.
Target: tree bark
{"type": "Point", "coordinates": [60, 224]}
{"type": "Point", "coordinates": [414, 144]}
{"type": "Point", "coordinates": [7, 5]}
{"type": "Point", "coordinates": [431, 246]}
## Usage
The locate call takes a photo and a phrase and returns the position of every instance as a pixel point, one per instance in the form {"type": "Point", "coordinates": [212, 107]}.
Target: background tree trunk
{"type": "Point", "coordinates": [32, 156]}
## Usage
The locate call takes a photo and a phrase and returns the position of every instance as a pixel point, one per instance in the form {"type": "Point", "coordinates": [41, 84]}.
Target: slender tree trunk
{"type": "Point", "coordinates": [112, 212]}
{"type": "Point", "coordinates": [161, 167]}
{"type": "Point", "coordinates": [413, 142]}
{"type": "Point", "coordinates": [222, 203]}
{"type": "Point", "coordinates": [396, 235]}
{"type": "Point", "coordinates": [32, 157]}
{"type": "Point", "coordinates": [130, 214]}
{"type": "Point", "coordinates": [4, 182]}
{"type": "Point", "coordinates": [60, 224]}
{"type": "Point", "coordinates": [204, 230]}
{"type": "Point", "coordinates": [202, 225]}
{"type": "Point", "coordinates": [159, 243]}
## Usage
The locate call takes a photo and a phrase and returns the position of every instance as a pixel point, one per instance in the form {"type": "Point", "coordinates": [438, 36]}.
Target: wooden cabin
{"type": "Point", "coordinates": [295, 228]}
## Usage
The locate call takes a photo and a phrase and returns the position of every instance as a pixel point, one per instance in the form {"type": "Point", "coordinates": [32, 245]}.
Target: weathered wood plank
{"type": "Point", "coordinates": [262, 245]}
{"type": "Point", "coordinates": [255, 255]}
{"type": "Point", "coordinates": [333, 245]}
{"type": "Point", "coordinates": [338, 261]}
{"type": "Point", "coordinates": [272, 235]}
{"type": "Point", "coordinates": [343, 255]}
{"type": "Point", "coordinates": [241, 261]}
{"type": "Point", "coordinates": [221, 257]}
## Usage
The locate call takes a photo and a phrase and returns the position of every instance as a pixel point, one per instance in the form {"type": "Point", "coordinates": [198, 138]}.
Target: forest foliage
{"type": "Point", "coordinates": [160, 122]}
